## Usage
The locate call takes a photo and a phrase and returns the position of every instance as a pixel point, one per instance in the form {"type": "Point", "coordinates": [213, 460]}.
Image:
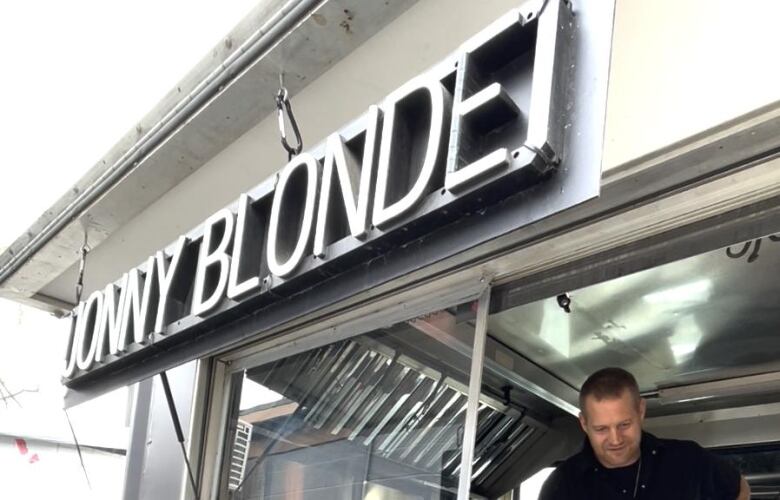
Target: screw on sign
{"type": "Point", "coordinates": [21, 446]}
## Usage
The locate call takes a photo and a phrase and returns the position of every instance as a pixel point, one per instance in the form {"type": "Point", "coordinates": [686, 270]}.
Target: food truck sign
{"type": "Point", "coordinates": [486, 125]}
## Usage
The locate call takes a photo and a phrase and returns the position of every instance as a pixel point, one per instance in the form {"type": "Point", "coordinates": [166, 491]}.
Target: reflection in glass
{"type": "Point", "coordinates": [379, 416]}
{"type": "Point", "coordinates": [702, 318]}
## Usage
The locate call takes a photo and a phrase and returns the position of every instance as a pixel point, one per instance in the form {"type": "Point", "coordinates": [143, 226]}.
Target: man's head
{"type": "Point", "coordinates": [611, 414]}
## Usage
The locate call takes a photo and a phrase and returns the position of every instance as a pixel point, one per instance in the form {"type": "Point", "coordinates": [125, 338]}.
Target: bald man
{"type": "Point", "coordinates": [620, 461]}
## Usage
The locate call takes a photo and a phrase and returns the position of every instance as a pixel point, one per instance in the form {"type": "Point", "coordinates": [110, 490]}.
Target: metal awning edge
{"type": "Point", "coordinates": [215, 70]}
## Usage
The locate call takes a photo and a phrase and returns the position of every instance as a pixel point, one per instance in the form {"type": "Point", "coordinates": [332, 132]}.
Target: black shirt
{"type": "Point", "coordinates": [625, 479]}
{"type": "Point", "coordinates": [670, 470]}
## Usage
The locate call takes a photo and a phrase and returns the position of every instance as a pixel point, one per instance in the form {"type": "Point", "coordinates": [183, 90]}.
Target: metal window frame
{"type": "Point", "coordinates": [687, 231]}
{"type": "Point", "coordinates": [475, 387]}
{"type": "Point", "coordinates": [700, 216]}
{"type": "Point", "coordinates": [390, 310]}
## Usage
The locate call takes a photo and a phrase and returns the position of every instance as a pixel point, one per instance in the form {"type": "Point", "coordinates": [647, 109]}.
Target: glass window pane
{"type": "Point", "coordinates": [671, 325]}
{"type": "Point", "coordinates": [378, 416]}
{"type": "Point", "coordinates": [708, 318]}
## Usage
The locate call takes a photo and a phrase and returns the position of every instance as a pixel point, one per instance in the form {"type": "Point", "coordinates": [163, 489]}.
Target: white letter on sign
{"type": "Point", "coordinates": [275, 239]}
{"type": "Point", "coordinates": [111, 319]}
{"type": "Point", "coordinates": [350, 176]}
{"type": "Point", "coordinates": [165, 275]}
{"type": "Point", "coordinates": [74, 341]}
{"type": "Point", "coordinates": [208, 258]}
{"type": "Point", "coordinates": [439, 101]}
{"type": "Point", "coordinates": [137, 306]}
{"type": "Point", "coordinates": [236, 289]}
{"type": "Point", "coordinates": [88, 326]}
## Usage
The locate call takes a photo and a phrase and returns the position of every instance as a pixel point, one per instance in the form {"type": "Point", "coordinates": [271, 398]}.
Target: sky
{"type": "Point", "coordinates": [76, 77]}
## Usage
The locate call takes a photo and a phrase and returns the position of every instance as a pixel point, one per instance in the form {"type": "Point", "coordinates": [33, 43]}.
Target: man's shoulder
{"type": "Point", "coordinates": [577, 462]}
{"type": "Point", "coordinates": [717, 477]}
{"type": "Point", "coordinates": [556, 485]}
{"type": "Point", "coordinates": [675, 446]}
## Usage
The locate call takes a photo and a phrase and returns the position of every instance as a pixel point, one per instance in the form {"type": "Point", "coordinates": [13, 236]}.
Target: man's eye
{"type": "Point", "coordinates": [624, 425]}
{"type": "Point", "coordinates": [601, 429]}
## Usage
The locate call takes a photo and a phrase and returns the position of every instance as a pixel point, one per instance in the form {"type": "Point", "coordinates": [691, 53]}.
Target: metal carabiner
{"type": "Point", "coordinates": [283, 106]}
{"type": "Point", "coordinates": [82, 266]}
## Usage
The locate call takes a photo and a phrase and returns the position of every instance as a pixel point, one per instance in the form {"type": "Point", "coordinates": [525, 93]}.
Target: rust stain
{"type": "Point", "coordinates": [319, 19]}
{"type": "Point", "coordinates": [348, 17]}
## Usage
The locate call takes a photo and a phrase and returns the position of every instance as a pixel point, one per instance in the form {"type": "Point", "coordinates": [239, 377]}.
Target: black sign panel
{"type": "Point", "coordinates": [484, 143]}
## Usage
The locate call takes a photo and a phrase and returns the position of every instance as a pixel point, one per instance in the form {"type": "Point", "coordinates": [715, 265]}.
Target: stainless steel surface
{"type": "Point", "coordinates": [727, 427]}
{"type": "Point", "coordinates": [756, 385]}
{"type": "Point", "coordinates": [475, 389]}
{"type": "Point", "coordinates": [405, 425]}
{"type": "Point", "coordinates": [197, 436]}
{"type": "Point", "coordinates": [400, 391]}
{"type": "Point", "coordinates": [769, 478]}
{"type": "Point", "coordinates": [387, 312]}
{"type": "Point", "coordinates": [396, 405]}
{"type": "Point", "coordinates": [700, 319]}
{"type": "Point", "coordinates": [513, 368]}
{"type": "Point", "coordinates": [217, 404]}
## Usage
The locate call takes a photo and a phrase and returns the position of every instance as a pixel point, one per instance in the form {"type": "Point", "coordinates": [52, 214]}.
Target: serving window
{"type": "Point", "coordinates": [383, 414]}
{"type": "Point", "coordinates": [380, 415]}
{"type": "Point", "coordinates": [705, 318]}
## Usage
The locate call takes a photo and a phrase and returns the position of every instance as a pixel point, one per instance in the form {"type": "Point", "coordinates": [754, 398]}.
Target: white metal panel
{"type": "Point", "coordinates": [679, 68]}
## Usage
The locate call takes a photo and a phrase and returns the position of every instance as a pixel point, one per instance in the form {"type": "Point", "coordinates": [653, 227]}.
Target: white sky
{"type": "Point", "coordinates": [76, 76]}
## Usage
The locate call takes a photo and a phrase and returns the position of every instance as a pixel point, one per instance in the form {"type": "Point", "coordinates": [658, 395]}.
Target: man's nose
{"type": "Point", "coordinates": [614, 436]}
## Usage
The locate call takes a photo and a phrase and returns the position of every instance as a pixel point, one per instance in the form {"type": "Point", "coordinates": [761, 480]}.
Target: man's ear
{"type": "Point", "coordinates": [642, 409]}
{"type": "Point", "coordinates": [583, 422]}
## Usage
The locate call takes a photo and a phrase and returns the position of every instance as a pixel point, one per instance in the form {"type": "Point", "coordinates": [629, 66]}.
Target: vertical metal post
{"type": "Point", "coordinates": [475, 387]}
{"type": "Point", "coordinates": [136, 452]}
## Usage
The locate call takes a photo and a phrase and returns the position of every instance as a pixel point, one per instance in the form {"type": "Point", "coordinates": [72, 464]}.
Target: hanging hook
{"type": "Point", "coordinates": [82, 265]}
{"type": "Point", "coordinates": [283, 106]}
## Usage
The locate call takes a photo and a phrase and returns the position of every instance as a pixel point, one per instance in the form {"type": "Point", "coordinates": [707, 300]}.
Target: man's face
{"type": "Point", "coordinates": [614, 429]}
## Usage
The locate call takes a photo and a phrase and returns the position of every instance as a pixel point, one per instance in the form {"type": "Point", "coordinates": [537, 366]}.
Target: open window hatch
{"type": "Point", "coordinates": [381, 415]}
